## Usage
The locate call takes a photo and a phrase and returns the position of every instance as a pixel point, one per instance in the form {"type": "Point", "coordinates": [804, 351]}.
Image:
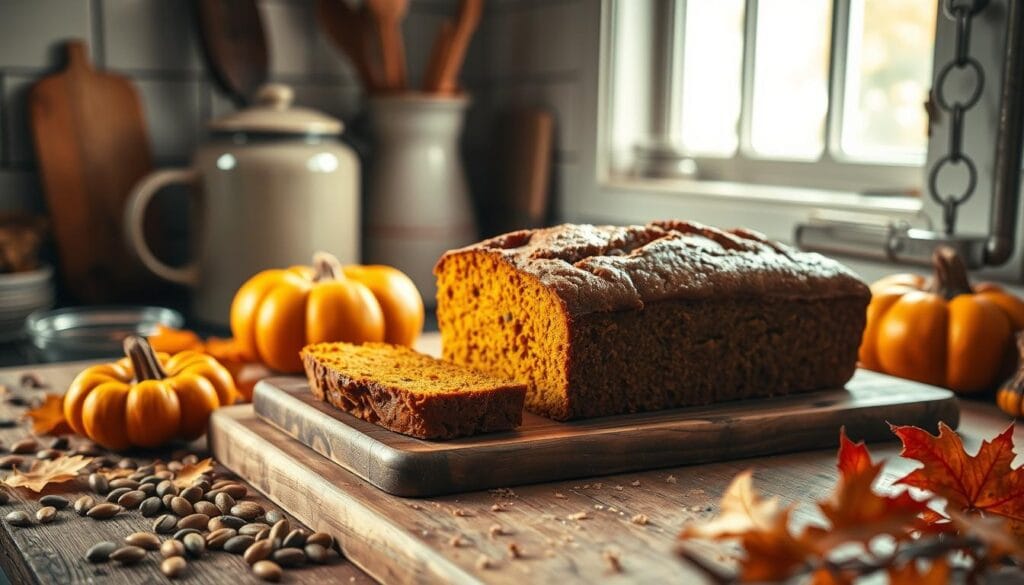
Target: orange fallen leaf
{"type": "Point", "coordinates": [45, 472]}
{"type": "Point", "coordinates": [191, 472]}
{"type": "Point", "coordinates": [995, 532]}
{"type": "Point", "coordinates": [48, 418]}
{"type": "Point", "coordinates": [984, 482]}
{"type": "Point", "coordinates": [772, 554]}
{"type": "Point", "coordinates": [741, 510]}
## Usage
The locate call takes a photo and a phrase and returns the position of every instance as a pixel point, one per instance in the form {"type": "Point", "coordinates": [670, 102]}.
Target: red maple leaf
{"type": "Point", "coordinates": [983, 483]}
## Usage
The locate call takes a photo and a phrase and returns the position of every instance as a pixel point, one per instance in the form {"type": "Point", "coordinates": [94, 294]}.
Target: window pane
{"type": "Point", "coordinates": [791, 78]}
{"type": "Point", "coordinates": [712, 74]}
{"type": "Point", "coordinates": [888, 72]}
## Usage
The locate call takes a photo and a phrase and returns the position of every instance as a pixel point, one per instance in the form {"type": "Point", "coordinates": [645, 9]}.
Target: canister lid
{"type": "Point", "coordinates": [273, 113]}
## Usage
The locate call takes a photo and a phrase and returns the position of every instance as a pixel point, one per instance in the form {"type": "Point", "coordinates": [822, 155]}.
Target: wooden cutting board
{"type": "Point", "coordinates": [91, 144]}
{"type": "Point", "coordinates": [545, 450]}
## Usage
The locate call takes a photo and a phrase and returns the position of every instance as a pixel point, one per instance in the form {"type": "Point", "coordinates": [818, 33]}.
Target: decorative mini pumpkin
{"type": "Point", "coordinates": [1010, 397]}
{"type": "Point", "coordinates": [941, 331]}
{"type": "Point", "coordinates": [146, 399]}
{"type": "Point", "coordinates": [278, 312]}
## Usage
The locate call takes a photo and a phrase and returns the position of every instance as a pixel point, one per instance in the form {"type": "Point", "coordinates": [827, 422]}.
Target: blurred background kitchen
{"type": "Point", "coordinates": [388, 131]}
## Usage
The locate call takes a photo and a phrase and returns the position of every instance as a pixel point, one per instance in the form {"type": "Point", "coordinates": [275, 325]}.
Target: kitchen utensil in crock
{"type": "Point", "coordinates": [351, 30]}
{"type": "Point", "coordinates": [234, 46]}
{"type": "Point", "coordinates": [277, 185]}
{"type": "Point", "coordinates": [456, 43]}
{"type": "Point", "coordinates": [91, 145]}
{"type": "Point", "coordinates": [387, 17]}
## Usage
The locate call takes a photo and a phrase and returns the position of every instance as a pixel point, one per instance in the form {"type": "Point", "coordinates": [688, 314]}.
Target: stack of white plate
{"type": "Point", "coordinates": [20, 294]}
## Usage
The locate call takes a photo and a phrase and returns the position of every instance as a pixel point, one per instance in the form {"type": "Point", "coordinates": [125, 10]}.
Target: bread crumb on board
{"type": "Point", "coordinates": [635, 483]}
{"type": "Point", "coordinates": [501, 506]}
{"type": "Point", "coordinates": [497, 530]}
{"type": "Point", "coordinates": [670, 479]}
{"type": "Point", "coordinates": [640, 519]}
{"type": "Point", "coordinates": [462, 513]}
{"type": "Point", "coordinates": [560, 495]}
{"type": "Point", "coordinates": [578, 516]}
{"type": "Point", "coordinates": [514, 552]}
{"type": "Point", "coordinates": [459, 541]}
{"type": "Point", "coordinates": [483, 562]}
{"type": "Point", "coordinates": [611, 558]}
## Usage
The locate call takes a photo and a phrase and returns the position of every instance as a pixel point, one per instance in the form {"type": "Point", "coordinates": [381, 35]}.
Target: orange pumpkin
{"type": "Point", "coordinates": [147, 399]}
{"type": "Point", "coordinates": [1010, 396]}
{"type": "Point", "coordinates": [941, 331]}
{"type": "Point", "coordinates": [278, 312]}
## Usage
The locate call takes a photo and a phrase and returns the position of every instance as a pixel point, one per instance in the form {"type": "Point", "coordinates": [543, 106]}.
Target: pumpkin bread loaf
{"type": "Point", "coordinates": [602, 320]}
{"type": "Point", "coordinates": [411, 393]}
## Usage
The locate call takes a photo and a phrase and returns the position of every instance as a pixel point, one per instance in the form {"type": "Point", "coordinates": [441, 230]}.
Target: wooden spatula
{"type": "Point", "coordinates": [91, 144]}
{"type": "Point", "coordinates": [387, 16]}
{"type": "Point", "coordinates": [350, 29]}
{"type": "Point", "coordinates": [467, 21]}
{"type": "Point", "coordinates": [234, 45]}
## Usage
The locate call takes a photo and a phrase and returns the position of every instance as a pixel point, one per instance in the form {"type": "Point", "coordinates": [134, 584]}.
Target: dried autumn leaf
{"type": "Point", "coordinates": [191, 472]}
{"type": "Point", "coordinates": [984, 482]}
{"type": "Point", "coordinates": [994, 532]}
{"type": "Point", "coordinates": [115, 472]}
{"type": "Point", "coordinates": [48, 417]}
{"type": "Point", "coordinates": [741, 510]}
{"type": "Point", "coordinates": [909, 574]}
{"type": "Point", "coordinates": [45, 472]}
{"type": "Point", "coordinates": [856, 512]}
{"type": "Point", "coordinates": [772, 554]}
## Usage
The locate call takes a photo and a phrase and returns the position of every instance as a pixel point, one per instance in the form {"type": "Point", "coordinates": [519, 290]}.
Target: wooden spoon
{"type": "Point", "coordinates": [234, 46]}
{"type": "Point", "coordinates": [348, 28]}
{"type": "Point", "coordinates": [388, 15]}
{"type": "Point", "coordinates": [466, 24]}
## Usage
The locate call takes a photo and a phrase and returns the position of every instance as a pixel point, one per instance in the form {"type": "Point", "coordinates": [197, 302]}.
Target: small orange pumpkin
{"type": "Point", "coordinates": [146, 399]}
{"type": "Point", "coordinates": [941, 331]}
{"type": "Point", "coordinates": [278, 312]}
{"type": "Point", "coordinates": [1010, 396]}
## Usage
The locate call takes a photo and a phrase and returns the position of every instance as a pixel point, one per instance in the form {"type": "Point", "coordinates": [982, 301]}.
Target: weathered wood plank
{"type": "Point", "coordinates": [535, 451]}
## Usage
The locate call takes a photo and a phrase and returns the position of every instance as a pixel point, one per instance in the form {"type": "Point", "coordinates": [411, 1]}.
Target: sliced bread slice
{"type": "Point", "coordinates": [412, 393]}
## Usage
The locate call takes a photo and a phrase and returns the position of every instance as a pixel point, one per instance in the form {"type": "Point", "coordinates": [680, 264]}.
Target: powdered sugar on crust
{"type": "Point", "coordinates": [609, 268]}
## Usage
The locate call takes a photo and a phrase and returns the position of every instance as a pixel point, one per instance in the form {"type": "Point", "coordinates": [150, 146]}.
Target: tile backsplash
{"type": "Point", "coordinates": [525, 53]}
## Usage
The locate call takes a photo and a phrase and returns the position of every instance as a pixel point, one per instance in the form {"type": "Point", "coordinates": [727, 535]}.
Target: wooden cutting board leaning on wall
{"type": "Point", "coordinates": [91, 144]}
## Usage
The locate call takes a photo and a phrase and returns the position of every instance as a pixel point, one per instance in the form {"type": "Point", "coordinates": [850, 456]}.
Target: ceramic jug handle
{"type": "Point", "coordinates": [135, 215]}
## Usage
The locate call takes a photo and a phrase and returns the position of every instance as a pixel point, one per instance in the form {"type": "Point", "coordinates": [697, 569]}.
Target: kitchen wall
{"type": "Point", "coordinates": [524, 54]}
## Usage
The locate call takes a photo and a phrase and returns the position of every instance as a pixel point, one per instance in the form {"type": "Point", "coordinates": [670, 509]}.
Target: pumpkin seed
{"type": "Point", "coordinates": [46, 514]}
{"type": "Point", "coordinates": [181, 506]}
{"type": "Point", "coordinates": [151, 507]}
{"type": "Point", "coordinates": [279, 530]}
{"type": "Point", "coordinates": [9, 461]}
{"type": "Point", "coordinates": [32, 380]}
{"type": "Point", "coordinates": [181, 534]}
{"type": "Point", "coordinates": [98, 483]}
{"type": "Point", "coordinates": [197, 521]}
{"type": "Point", "coordinates": [18, 518]}
{"type": "Point", "coordinates": [289, 557]}
{"type": "Point", "coordinates": [173, 567]}
{"type": "Point", "coordinates": [114, 494]}
{"type": "Point", "coordinates": [273, 517]}
{"type": "Point", "coordinates": [148, 488]}
{"type": "Point", "coordinates": [235, 490]}
{"type": "Point", "coordinates": [215, 540]}
{"type": "Point", "coordinates": [100, 552]}
{"type": "Point", "coordinates": [127, 463]}
{"type": "Point", "coordinates": [295, 539]}
{"type": "Point", "coordinates": [61, 443]}
{"type": "Point", "coordinates": [172, 548]}
{"type": "Point", "coordinates": [25, 446]}
{"type": "Point", "coordinates": [192, 494]}
{"type": "Point", "coordinates": [166, 499]}
{"type": "Point", "coordinates": [322, 538]}
{"type": "Point", "coordinates": [104, 511]}
{"type": "Point", "coordinates": [124, 482]}
{"type": "Point", "coordinates": [204, 507]}
{"type": "Point", "coordinates": [5, 496]}
{"type": "Point", "coordinates": [316, 553]}
{"type": "Point", "coordinates": [237, 545]}
{"type": "Point", "coordinates": [83, 504]}
{"type": "Point", "coordinates": [247, 510]}
{"type": "Point", "coordinates": [259, 550]}
{"type": "Point", "coordinates": [166, 487]}
{"type": "Point", "coordinates": [224, 502]}
{"type": "Point", "coordinates": [202, 485]}
{"type": "Point", "coordinates": [144, 540]}
{"type": "Point", "coordinates": [265, 533]}
{"type": "Point", "coordinates": [150, 479]}
{"type": "Point", "coordinates": [267, 570]}
{"type": "Point", "coordinates": [253, 529]}
{"type": "Point", "coordinates": [131, 500]}
{"type": "Point", "coordinates": [230, 521]}
{"type": "Point", "coordinates": [47, 454]}
{"type": "Point", "coordinates": [165, 524]}
{"type": "Point", "coordinates": [56, 501]}
{"type": "Point", "coordinates": [128, 555]}
{"type": "Point", "coordinates": [195, 544]}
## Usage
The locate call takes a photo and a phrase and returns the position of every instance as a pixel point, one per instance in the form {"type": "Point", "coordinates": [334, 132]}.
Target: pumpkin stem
{"type": "Point", "coordinates": [144, 361]}
{"type": "Point", "coordinates": [950, 273]}
{"type": "Point", "coordinates": [327, 267]}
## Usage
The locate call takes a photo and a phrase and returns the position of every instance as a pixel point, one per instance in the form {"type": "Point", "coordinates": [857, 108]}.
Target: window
{"type": "Point", "coordinates": [812, 93]}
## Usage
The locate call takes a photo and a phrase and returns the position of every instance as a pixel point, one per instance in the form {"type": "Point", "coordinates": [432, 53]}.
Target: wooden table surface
{"type": "Point", "coordinates": [577, 550]}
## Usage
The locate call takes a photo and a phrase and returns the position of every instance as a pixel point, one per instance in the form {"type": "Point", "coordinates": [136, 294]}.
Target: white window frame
{"type": "Point", "coordinates": [596, 194]}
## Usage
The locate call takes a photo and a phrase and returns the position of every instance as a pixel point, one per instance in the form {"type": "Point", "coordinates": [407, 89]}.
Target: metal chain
{"type": "Point", "coordinates": [961, 12]}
